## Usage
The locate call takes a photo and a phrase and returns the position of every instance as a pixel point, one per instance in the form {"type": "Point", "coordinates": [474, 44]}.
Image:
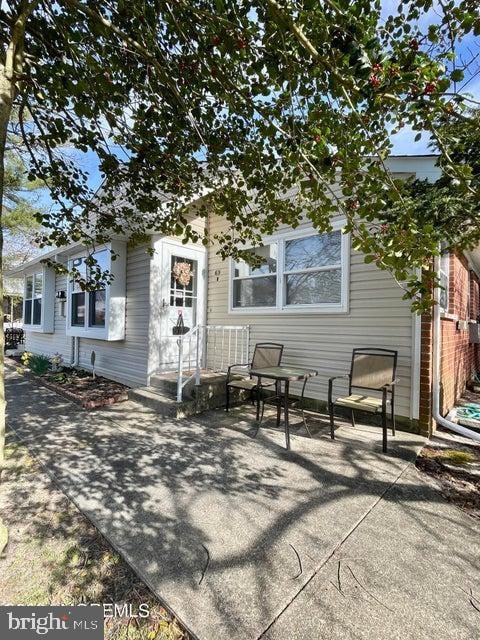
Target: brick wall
{"type": "Point", "coordinates": [459, 358]}
{"type": "Point", "coordinates": [426, 368]}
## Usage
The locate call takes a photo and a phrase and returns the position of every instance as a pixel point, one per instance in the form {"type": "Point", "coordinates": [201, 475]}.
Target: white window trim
{"type": "Point", "coordinates": [325, 308]}
{"type": "Point", "coordinates": [98, 333]}
{"type": "Point", "coordinates": [445, 309]}
{"type": "Point", "coordinates": [30, 326]}
{"type": "Point", "coordinates": [47, 315]}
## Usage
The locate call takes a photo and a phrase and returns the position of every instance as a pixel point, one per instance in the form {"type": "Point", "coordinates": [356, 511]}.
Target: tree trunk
{"type": "Point", "coordinates": [6, 99]}
{"type": "Point", "coordinates": [10, 72]}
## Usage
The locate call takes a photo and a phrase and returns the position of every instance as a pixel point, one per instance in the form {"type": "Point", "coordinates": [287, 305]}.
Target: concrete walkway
{"type": "Point", "coordinates": [244, 540]}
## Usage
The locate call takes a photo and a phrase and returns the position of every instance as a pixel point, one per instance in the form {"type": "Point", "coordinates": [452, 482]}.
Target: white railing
{"type": "Point", "coordinates": [211, 347]}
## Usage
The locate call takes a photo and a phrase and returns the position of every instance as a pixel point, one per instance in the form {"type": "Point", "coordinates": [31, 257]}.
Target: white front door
{"type": "Point", "coordinates": [182, 306]}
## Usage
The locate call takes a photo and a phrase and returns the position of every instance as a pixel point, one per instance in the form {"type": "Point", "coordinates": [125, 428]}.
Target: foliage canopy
{"type": "Point", "coordinates": [246, 103]}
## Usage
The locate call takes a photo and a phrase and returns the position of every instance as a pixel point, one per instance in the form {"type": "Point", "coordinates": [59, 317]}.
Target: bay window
{"type": "Point", "coordinates": [301, 271]}
{"type": "Point", "coordinates": [99, 313]}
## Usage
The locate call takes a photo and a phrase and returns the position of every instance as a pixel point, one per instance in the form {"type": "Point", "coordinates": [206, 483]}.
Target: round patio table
{"type": "Point", "coordinates": [286, 375]}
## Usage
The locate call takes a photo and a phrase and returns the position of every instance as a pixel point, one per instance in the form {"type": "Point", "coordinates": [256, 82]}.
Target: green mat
{"type": "Point", "coordinates": [470, 411]}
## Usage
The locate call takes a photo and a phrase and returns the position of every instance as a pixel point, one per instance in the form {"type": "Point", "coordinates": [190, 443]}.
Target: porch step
{"type": "Point", "coordinates": [165, 382]}
{"type": "Point", "coordinates": [161, 395]}
{"type": "Point", "coordinates": [149, 397]}
{"type": "Point", "coordinates": [212, 383]}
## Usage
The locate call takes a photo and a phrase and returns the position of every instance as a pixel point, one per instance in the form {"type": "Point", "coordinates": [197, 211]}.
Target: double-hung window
{"type": "Point", "coordinates": [97, 298]}
{"type": "Point", "coordinates": [303, 271]}
{"type": "Point", "coordinates": [77, 295]}
{"type": "Point", "coordinates": [33, 299]}
{"type": "Point", "coordinates": [88, 308]}
{"type": "Point", "coordinates": [39, 300]}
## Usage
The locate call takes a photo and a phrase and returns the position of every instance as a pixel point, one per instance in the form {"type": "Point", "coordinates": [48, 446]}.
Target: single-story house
{"type": "Point", "coordinates": [314, 294]}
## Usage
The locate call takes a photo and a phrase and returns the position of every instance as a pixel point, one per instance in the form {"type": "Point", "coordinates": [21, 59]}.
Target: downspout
{"type": "Point", "coordinates": [437, 332]}
{"type": "Point", "coordinates": [74, 351]}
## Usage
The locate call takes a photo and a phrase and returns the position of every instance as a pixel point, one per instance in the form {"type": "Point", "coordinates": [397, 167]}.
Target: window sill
{"type": "Point", "coordinates": [81, 332]}
{"type": "Point", "coordinates": [449, 316]}
{"type": "Point", "coordinates": [297, 310]}
{"type": "Point", "coordinates": [36, 328]}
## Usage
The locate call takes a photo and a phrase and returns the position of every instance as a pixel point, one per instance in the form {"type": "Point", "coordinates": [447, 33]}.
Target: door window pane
{"type": "Point", "coordinates": [313, 251]}
{"type": "Point", "coordinates": [314, 287]}
{"type": "Point", "coordinates": [183, 282]}
{"type": "Point", "coordinates": [255, 292]}
{"type": "Point", "coordinates": [78, 309]}
{"type": "Point", "coordinates": [96, 308]}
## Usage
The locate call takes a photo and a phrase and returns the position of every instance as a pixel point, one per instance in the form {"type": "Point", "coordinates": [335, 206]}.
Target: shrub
{"type": "Point", "coordinates": [61, 378]}
{"type": "Point", "coordinates": [56, 361]}
{"type": "Point", "coordinates": [38, 363]}
{"type": "Point", "coordinates": [25, 358]}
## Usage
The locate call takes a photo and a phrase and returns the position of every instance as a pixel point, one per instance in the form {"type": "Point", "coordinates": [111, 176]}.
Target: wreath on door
{"type": "Point", "coordinates": [182, 272]}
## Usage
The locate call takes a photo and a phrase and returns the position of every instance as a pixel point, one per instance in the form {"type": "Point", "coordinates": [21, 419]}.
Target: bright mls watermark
{"type": "Point", "coordinates": [125, 610]}
{"type": "Point", "coordinates": [54, 623]}
{"type": "Point", "coordinates": [79, 622]}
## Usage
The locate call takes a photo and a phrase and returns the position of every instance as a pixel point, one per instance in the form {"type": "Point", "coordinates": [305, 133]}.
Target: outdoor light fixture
{"type": "Point", "coordinates": [61, 295]}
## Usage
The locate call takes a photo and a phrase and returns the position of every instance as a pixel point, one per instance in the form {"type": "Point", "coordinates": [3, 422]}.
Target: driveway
{"type": "Point", "coordinates": [244, 540]}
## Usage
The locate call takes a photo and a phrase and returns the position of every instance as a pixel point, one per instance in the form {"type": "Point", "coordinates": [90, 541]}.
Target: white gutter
{"type": "Point", "coordinates": [437, 332]}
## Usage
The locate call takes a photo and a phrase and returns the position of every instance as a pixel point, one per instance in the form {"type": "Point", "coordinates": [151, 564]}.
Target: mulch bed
{"type": "Point", "coordinates": [90, 393]}
{"type": "Point", "coordinates": [79, 386]}
{"type": "Point", "coordinates": [456, 470]}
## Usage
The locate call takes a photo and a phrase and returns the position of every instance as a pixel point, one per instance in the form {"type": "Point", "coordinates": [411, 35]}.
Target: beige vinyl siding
{"type": "Point", "coordinates": [58, 341]}
{"type": "Point", "coordinates": [198, 224]}
{"type": "Point", "coordinates": [126, 360]}
{"type": "Point", "coordinates": [377, 317]}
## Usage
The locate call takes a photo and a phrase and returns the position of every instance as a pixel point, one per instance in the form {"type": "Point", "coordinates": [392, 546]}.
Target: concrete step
{"type": "Point", "coordinates": [211, 384]}
{"type": "Point", "coordinates": [167, 383]}
{"type": "Point", "coordinates": [152, 398]}
{"type": "Point", "coordinates": [209, 395]}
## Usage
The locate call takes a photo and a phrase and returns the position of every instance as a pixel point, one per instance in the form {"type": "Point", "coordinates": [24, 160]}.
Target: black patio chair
{"type": "Point", "coordinates": [266, 354]}
{"type": "Point", "coordinates": [371, 370]}
{"type": "Point", "coordinates": [13, 337]}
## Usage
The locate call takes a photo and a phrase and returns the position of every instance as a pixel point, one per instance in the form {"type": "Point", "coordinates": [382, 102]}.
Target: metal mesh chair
{"type": "Point", "coordinates": [266, 354]}
{"type": "Point", "coordinates": [13, 337]}
{"type": "Point", "coordinates": [371, 370]}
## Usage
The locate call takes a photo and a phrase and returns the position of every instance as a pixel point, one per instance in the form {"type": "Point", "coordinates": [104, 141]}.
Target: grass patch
{"type": "Point", "coordinates": [455, 473]}
{"type": "Point", "coordinates": [56, 556]}
{"type": "Point", "coordinates": [456, 456]}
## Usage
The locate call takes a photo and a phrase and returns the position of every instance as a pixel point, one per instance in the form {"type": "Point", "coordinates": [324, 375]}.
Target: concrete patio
{"type": "Point", "coordinates": [244, 540]}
